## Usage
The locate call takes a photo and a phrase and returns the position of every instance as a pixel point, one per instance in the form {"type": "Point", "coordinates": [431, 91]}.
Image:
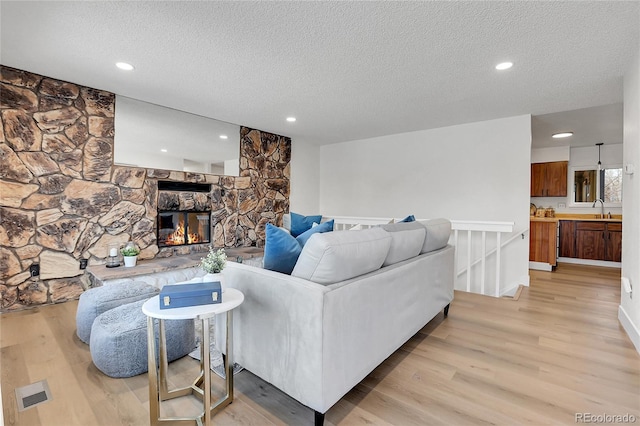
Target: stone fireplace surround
{"type": "Point", "coordinates": [63, 199]}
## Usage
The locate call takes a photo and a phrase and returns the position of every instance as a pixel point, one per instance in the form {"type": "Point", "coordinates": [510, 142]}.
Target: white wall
{"type": "Point", "coordinates": [610, 155]}
{"type": "Point", "coordinates": [629, 312]}
{"type": "Point", "coordinates": [549, 155]}
{"type": "Point", "coordinates": [476, 171]}
{"type": "Point", "coordinates": [305, 178]}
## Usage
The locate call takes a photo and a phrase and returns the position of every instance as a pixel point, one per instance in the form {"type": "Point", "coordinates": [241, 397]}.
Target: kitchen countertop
{"type": "Point", "coordinates": [579, 217]}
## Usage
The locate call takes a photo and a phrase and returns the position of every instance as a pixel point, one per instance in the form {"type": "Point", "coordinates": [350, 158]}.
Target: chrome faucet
{"type": "Point", "coordinates": [602, 205]}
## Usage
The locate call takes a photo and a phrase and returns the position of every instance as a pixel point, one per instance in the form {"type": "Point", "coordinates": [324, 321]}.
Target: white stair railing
{"type": "Point", "coordinates": [482, 227]}
{"type": "Point", "coordinates": [472, 229]}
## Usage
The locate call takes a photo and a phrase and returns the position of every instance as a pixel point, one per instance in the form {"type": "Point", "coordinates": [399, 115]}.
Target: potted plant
{"type": "Point", "coordinates": [213, 264]}
{"type": "Point", "coordinates": [130, 254]}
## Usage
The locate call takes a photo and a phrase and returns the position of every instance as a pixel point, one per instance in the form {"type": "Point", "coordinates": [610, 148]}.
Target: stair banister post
{"type": "Point", "coordinates": [469, 261]}
{"type": "Point", "coordinates": [498, 254]}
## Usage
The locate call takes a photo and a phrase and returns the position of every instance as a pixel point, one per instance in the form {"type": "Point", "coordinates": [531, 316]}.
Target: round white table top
{"type": "Point", "coordinates": [231, 298]}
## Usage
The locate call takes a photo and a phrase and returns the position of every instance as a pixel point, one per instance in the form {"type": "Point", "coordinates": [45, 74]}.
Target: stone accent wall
{"type": "Point", "coordinates": [63, 200]}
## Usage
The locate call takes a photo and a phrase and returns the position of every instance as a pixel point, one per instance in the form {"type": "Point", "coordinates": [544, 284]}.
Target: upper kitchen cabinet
{"type": "Point", "coordinates": [549, 179]}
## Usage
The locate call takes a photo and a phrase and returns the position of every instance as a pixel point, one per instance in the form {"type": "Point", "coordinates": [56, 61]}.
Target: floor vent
{"type": "Point", "coordinates": [32, 395]}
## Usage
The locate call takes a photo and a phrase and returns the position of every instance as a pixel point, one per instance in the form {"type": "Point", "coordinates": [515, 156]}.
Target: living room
{"type": "Point", "coordinates": [420, 143]}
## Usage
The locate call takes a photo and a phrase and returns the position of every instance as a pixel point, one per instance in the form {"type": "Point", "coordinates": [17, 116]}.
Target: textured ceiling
{"type": "Point", "coordinates": [589, 126]}
{"type": "Point", "coordinates": [346, 70]}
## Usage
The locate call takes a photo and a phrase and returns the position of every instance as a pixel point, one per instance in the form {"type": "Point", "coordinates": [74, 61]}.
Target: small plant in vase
{"type": "Point", "coordinates": [130, 254]}
{"type": "Point", "coordinates": [213, 264]}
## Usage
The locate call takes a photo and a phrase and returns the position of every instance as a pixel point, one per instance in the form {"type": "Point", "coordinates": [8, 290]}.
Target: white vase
{"type": "Point", "coordinates": [130, 261]}
{"type": "Point", "coordinates": [214, 277]}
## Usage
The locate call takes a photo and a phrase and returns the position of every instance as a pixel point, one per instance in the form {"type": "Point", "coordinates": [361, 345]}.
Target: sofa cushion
{"type": "Point", "coordinates": [300, 223]}
{"type": "Point", "coordinates": [401, 226]}
{"type": "Point", "coordinates": [438, 233]}
{"type": "Point", "coordinates": [281, 250]}
{"type": "Point", "coordinates": [407, 239]}
{"type": "Point", "coordinates": [316, 229]}
{"type": "Point", "coordinates": [337, 256]}
{"type": "Point", "coordinates": [286, 221]}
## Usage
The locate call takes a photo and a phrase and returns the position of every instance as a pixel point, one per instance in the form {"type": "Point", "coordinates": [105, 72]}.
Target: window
{"type": "Point", "coordinates": [588, 185]}
{"type": "Point", "coordinates": [611, 185]}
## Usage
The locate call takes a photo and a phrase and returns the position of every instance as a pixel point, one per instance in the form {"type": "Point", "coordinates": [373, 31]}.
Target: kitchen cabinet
{"type": "Point", "coordinates": [590, 238]}
{"type": "Point", "coordinates": [542, 242]}
{"type": "Point", "coordinates": [597, 240]}
{"type": "Point", "coordinates": [567, 237]}
{"type": "Point", "coordinates": [549, 179]}
{"type": "Point", "coordinates": [613, 245]}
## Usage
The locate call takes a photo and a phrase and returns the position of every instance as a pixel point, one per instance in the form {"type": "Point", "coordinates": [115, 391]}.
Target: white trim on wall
{"type": "Point", "coordinates": [629, 327]}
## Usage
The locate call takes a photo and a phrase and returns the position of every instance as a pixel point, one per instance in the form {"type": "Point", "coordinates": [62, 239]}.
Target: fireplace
{"type": "Point", "coordinates": [179, 228]}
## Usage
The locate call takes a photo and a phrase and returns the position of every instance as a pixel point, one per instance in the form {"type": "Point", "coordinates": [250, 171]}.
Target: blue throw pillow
{"type": "Point", "coordinates": [281, 250]}
{"type": "Point", "coordinates": [410, 218]}
{"type": "Point", "coordinates": [300, 223]}
{"type": "Point", "coordinates": [323, 227]}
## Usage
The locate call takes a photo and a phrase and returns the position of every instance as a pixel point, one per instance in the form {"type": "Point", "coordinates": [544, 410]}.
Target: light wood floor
{"type": "Point", "coordinates": [557, 351]}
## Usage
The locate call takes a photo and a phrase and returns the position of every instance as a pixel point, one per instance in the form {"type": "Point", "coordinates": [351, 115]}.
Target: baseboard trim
{"type": "Point", "coordinates": [629, 327]}
{"type": "Point", "coordinates": [540, 266]}
{"type": "Point", "coordinates": [516, 293]}
{"type": "Point", "coordinates": [590, 262]}
{"type": "Point", "coordinates": [516, 288]}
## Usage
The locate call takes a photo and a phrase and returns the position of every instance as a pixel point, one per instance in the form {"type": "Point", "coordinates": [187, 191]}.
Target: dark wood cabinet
{"type": "Point", "coordinates": [549, 179]}
{"type": "Point", "coordinates": [590, 238]}
{"type": "Point", "coordinates": [542, 242]}
{"type": "Point", "coordinates": [538, 179]}
{"type": "Point", "coordinates": [567, 231]}
{"type": "Point", "coordinates": [613, 251]}
{"type": "Point", "coordinates": [593, 240]}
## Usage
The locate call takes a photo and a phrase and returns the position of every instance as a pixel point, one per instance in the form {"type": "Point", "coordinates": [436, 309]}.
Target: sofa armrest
{"type": "Point", "coordinates": [277, 330]}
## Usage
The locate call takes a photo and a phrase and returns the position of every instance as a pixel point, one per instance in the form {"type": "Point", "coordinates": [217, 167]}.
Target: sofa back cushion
{"type": "Point", "coordinates": [407, 239]}
{"type": "Point", "coordinates": [340, 255]}
{"type": "Point", "coordinates": [438, 233]}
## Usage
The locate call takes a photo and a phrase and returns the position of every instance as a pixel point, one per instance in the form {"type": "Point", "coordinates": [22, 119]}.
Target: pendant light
{"type": "Point", "coordinates": [599, 162]}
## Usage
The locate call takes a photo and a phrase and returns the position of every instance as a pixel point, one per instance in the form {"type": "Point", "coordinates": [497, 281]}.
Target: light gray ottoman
{"type": "Point", "coordinates": [97, 300]}
{"type": "Point", "coordinates": [119, 340]}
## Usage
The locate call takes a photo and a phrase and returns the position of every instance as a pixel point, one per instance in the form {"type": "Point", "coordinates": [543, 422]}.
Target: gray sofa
{"type": "Point", "coordinates": [353, 298]}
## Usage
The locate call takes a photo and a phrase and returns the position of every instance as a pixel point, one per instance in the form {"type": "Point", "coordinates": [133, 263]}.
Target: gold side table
{"type": "Point", "coordinates": [201, 387]}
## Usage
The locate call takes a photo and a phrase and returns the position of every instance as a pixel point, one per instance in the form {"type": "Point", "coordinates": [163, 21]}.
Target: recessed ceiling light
{"type": "Point", "coordinates": [291, 119]}
{"type": "Point", "coordinates": [124, 66]}
{"type": "Point", "coordinates": [504, 66]}
{"type": "Point", "coordinates": [562, 135]}
{"type": "Point", "coordinates": [163, 150]}
{"type": "Point", "coordinates": [224, 137]}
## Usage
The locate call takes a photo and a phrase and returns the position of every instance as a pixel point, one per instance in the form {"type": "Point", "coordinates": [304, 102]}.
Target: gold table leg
{"type": "Point", "coordinates": [201, 387]}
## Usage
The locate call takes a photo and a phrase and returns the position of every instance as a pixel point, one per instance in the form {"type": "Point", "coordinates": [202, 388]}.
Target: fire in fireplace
{"type": "Point", "coordinates": [183, 228]}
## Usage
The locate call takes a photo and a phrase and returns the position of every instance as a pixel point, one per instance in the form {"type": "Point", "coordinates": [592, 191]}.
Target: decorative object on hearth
{"type": "Point", "coordinates": [130, 254]}
{"type": "Point", "coordinates": [113, 260]}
